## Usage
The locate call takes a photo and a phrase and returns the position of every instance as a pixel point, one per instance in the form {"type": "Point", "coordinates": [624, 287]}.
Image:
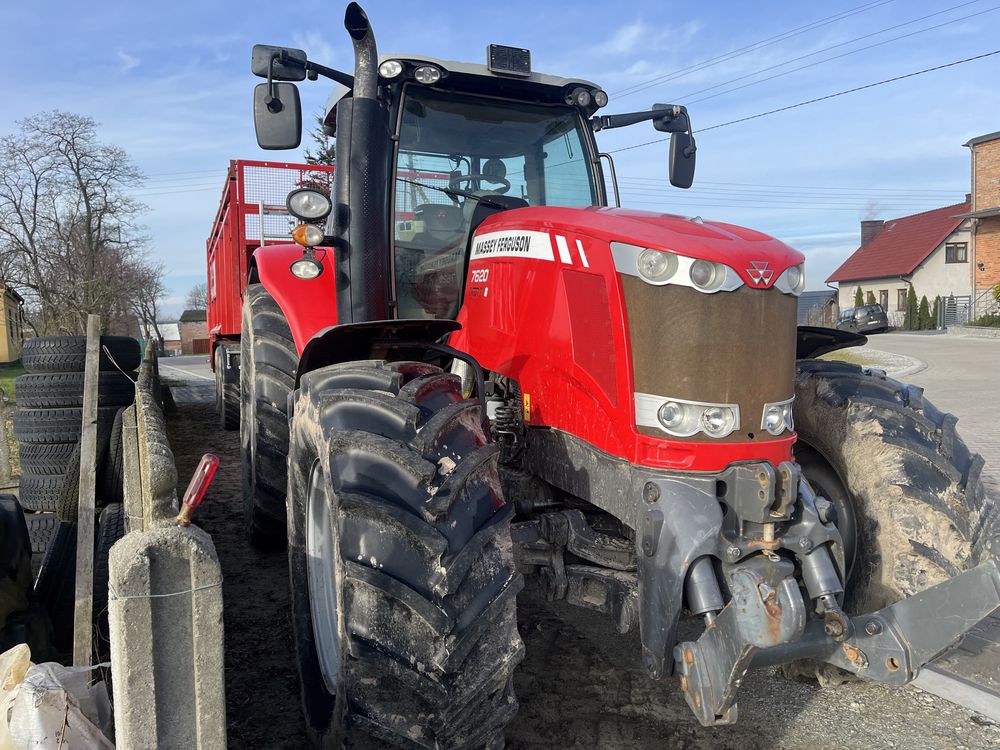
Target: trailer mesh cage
{"type": "Point", "coordinates": [265, 188]}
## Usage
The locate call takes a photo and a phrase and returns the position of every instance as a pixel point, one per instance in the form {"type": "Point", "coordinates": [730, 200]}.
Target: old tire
{"type": "Point", "coordinates": [403, 580]}
{"type": "Point", "coordinates": [15, 558]}
{"type": "Point", "coordinates": [59, 425]}
{"type": "Point", "coordinates": [111, 473]}
{"type": "Point", "coordinates": [69, 353]}
{"type": "Point", "coordinates": [41, 492]}
{"type": "Point", "coordinates": [65, 389]}
{"type": "Point", "coordinates": [56, 584]}
{"type": "Point", "coordinates": [227, 391]}
{"type": "Point", "coordinates": [110, 528]}
{"type": "Point", "coordinates": [268, 361]}
{"type": "Point", "coordinates": [45, 458]}
{"type": "Point", "coordinates": [920, 511]}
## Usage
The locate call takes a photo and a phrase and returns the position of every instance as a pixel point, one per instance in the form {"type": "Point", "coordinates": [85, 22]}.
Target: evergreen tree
{"type": "Point", "coordinates": [870, 298]}
{"type": "Point", "coordinates": [924, 315]}
{"type": "Point", "coordinates": [910, 321]}
{"type": "Point", "coordinates": [936, 311]}
{"type": "Point", "coordinates": [325, 145]}
{"type": "Point", "coordinates": [859, 299]}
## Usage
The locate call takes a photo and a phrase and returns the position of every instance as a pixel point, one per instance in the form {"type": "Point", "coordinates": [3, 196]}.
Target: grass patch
{"type": "Point", "coordinates": [846, 355]}
{"type": "Point", "coordinates": [8, 374]}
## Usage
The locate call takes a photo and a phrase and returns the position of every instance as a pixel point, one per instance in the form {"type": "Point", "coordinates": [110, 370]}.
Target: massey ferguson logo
{"type": "Point", "coordinates": [760, 272]}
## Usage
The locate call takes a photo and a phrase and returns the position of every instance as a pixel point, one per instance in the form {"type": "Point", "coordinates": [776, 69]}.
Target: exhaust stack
{"type": "Point", "coordinates": [361, 185]}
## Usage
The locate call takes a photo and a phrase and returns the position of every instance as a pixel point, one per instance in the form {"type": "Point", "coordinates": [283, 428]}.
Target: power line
{"type": "Point", "coordinates": [688, 101]}
{"type": "Point", "coordinates": [819, 99]}
{"type": "Point", "coordinates": [635, 88]}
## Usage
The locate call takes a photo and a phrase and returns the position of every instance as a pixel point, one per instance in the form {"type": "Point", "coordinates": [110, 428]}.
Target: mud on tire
{"type": "Point", "coordinates": [915, 489]}
{"type": "Point", "coordinates": [419, 543]}
{"type": "Point", "coordinates": [268, 360]}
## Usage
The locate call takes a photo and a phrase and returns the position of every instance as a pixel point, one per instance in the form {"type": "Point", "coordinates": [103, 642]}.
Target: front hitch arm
{"type": "Point", "coordinates": [889, 645]}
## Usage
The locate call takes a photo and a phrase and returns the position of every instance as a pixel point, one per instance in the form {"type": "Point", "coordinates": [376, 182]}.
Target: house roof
{"type": "Point", "coordinates": [901, 245]}
{"type": "Point", "coordinates": [982, 139]}
{"type": "Point", "coordinates": [194, 316]}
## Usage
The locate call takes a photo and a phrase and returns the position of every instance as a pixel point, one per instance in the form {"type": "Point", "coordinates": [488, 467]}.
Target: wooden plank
{"type": "Point", "coordinates": [84, 609]}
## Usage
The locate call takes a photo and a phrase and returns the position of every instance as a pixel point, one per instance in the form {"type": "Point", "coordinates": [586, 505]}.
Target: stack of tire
{"type": "Point", "coordinates": [47, 425]}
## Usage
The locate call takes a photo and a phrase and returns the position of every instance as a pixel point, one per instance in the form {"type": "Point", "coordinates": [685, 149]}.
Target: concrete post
{"type": "Point", "coordinates": [131, 471]}
{"type": "Point", "coordinates": [165, 618]}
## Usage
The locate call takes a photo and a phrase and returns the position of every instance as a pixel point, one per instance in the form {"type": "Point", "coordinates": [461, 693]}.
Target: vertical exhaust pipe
{"type": "Point", "coordinates": [361, 185]}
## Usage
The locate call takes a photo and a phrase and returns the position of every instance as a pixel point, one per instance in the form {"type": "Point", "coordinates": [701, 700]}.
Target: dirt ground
{"type": "Point", "coordinates": [580, 685]}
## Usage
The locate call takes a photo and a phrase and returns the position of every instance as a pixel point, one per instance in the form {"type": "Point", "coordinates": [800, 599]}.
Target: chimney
{"type": "Point", "coordinates": [869, 229]}
{"type": "Point", "coordinates": [968, 197]}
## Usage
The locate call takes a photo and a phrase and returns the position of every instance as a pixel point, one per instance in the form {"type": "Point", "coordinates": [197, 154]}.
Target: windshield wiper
{"type": "Point", "coordinates": [452, 193]}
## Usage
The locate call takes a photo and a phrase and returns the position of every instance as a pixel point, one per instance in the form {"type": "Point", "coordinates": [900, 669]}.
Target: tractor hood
{"type": "Point", "coordinates": [744, 250]}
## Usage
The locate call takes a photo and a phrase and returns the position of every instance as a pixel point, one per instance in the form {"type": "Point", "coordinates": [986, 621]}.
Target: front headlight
{"type": "Point", "coordinates": [793, 280]}
{"type": "Point", "coordinates": [683, 418]}
{"type": "Point", "coordinates": [308, 204]}
{"type": "Point", "coordinates": [778, 417]}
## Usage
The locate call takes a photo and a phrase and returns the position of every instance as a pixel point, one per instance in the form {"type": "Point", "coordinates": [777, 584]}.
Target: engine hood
{"type": "Point", "coordinates": [746, 251]}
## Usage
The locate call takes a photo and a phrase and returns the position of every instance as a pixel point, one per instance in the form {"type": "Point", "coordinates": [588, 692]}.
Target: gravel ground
{"type": "Point", "coordinates": [580, 685]}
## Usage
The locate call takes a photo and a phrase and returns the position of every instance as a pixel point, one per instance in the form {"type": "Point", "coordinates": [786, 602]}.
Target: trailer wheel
{"type": "Point", "coordinates": [227, 391]}
{"type": "Point", "coordinates": [268, 361]}
{"type": "Point", "coordinates": [912, 488]}
{"type": "Point", "coordinates": [403, 580]}
{"type": "Point", "coordinates": [69, 353]}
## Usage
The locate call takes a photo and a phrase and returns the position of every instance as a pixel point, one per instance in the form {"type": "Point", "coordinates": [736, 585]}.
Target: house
{"type": "Point", "coordinates": [170, 335]}
{"type": "Point", "coordinates": [929, 251]}
{"type": "Point", "coordinates": [819, 308]}
{"type": "Point", "coordinates": [194, 332]}
{"type": "Point", "coordinates": [985, 213]}
{"type": "Point", "coordinates": [13, 325]}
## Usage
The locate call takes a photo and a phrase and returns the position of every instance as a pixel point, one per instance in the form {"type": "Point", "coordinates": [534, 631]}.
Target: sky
{"type": "Point", "coordinates": [171, 84]}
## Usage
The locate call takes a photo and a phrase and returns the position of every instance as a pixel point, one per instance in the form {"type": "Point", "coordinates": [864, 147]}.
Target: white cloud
{"type": "Point", "coordinates": [128, 62]}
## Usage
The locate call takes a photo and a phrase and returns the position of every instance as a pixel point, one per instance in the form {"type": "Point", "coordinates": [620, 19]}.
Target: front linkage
{"type": "Point", "coordinates": [762, 536]}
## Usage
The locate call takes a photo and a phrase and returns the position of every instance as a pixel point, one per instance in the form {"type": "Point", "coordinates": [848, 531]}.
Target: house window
{"type": "Point", "coordinates": [956, 252]}
{"type": "Point", "coordinates": [901, 299]}
{"type": "Point", "coordinates": [883, 298]}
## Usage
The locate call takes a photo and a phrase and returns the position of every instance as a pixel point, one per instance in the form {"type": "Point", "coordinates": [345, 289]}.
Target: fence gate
{"type": "Point", "coordinates": [954, 311]}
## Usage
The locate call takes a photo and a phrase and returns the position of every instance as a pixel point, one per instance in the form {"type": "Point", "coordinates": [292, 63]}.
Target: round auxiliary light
{"type": "Point", "coordinates": [705, 275]}
{"type": "Point", "coordinates": [600, 98]}
{"type": "Point", "coordinates": [655, 266]}
{"type": "Point", "coordinates": [581, 98]}
{"type": "Point", "coordinates": [718, 421]}
{"type": "Point", "coordinates": [774, 420]}
{"type": "Point", "coordinates": [671, 414]}
{"type": "Point", "coordinates": [390, 68]}
{"type": "Point", "coordinates": [308, 204]}
{"type": "Point", "coordinates": [308, 235]}
{"type": "Point", "coordinates": [427, 74]}
{"type": "Point", "coordinates": [306, 268]}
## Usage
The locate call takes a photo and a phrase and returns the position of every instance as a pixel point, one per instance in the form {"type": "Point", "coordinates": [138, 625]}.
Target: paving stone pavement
{"type": "Point", "coordinates": [963, 376]}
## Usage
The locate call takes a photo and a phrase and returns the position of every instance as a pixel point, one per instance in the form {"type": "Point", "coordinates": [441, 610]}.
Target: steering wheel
{"type": "Point", "coordinates": [495, 179]}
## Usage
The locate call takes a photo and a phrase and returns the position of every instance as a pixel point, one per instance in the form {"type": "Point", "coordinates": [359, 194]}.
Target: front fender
{"type": "Point", "coordinates": [309, 305]}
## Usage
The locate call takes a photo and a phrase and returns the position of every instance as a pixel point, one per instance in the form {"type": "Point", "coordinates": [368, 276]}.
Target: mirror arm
{"type": "Point", "coordinates": [314, 69]}
{"type": "Point", "coordinates": [273, 103]}
{"type": "Point", "coordinates": [660, 111]}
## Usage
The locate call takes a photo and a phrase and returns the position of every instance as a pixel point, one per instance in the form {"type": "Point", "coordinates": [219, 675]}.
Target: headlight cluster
{"type": "Point", "coordinates": [426, 74]}
{"type": "Point", "coordinates": [793, 280]}
{"type": "Point", "coordinates": [660, 267]}
{"type": "Point", "coordinates": [682, 418]}
{"type": "Point", "coordinates": [778, 417]}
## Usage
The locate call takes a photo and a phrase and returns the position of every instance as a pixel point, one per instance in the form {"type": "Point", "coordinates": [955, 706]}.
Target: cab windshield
{"type": "Point", "coordinates": [533, 155]}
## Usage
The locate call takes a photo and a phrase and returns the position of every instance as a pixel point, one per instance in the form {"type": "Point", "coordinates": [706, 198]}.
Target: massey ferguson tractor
{"type": "Point", "coordinates": [518, 380]}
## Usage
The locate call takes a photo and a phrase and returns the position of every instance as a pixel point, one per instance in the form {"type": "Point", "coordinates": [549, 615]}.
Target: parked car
{"type": "Point", "coordinates": [865, 319]}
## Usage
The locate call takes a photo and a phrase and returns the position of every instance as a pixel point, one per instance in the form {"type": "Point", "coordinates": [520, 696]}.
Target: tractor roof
{"type": "Point", "coordinates": [474, 78]}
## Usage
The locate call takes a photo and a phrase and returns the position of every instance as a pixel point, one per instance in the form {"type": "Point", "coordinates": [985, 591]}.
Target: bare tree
{"type": "Point", "coordinates": [197, 298]}
{"type": "Point", "coordinates": [69, 237]}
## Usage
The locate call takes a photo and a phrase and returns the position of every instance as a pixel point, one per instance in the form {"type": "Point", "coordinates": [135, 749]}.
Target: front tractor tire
{"type": "Point", "coordinates": [909, 498]}
{"type": "Point", "coordinates": [268, 360]}
{"type": "Point", "coordinates": [402, 572]}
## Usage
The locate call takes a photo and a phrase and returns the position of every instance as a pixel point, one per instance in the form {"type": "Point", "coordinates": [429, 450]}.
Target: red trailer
{"type": "Point", "coordinates": [251, 213]}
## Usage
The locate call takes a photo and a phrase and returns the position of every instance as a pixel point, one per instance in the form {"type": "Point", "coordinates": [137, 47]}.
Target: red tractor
{"type": "Point", "coordinates": [518, 380]}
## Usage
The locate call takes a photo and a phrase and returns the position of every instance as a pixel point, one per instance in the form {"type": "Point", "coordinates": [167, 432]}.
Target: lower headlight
{"type": "Point", "coordinates": [718, 421]}
{"type": "Point", "coordinates": [671, 414]}
{"type": "Point", "coordinates": [778, 417]}
{"type": "Point", "coordinates": [682, 418]}
{"type": "Point", "coordinates": [306, 268]}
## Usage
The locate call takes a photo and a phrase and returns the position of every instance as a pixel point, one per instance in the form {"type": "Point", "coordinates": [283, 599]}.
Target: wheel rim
{"type": "Point", "coordinates": [826, 483]}
{"type": "Point", "coordinates": [321, 570]}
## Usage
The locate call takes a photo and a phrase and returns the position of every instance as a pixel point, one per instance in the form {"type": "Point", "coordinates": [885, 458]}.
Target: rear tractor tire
{"type": "Point", "coordinates": [403, 579]}
{"type": "Point", "coordinates": [268, 361]}
{"type": "Point", "coordinates": [909, 500]}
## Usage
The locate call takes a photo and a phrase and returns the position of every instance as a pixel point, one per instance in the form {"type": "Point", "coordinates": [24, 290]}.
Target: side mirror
{"type": "Point", "coordinates": [282, 63]}
{"type": "Point", "coordinates": [277, 116]}
{"type": "Point", "coordinates": [682, 158]}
